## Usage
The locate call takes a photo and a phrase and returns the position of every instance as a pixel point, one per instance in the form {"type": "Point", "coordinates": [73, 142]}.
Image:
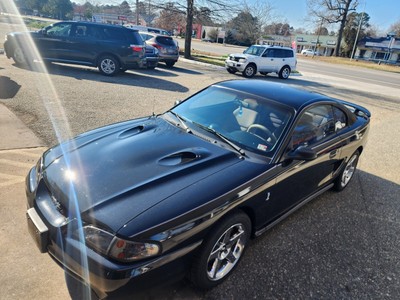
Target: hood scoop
{"type": "Point", "coordinates": [179, 158]}
{"type": "Point", "coordinates": [131, 132]}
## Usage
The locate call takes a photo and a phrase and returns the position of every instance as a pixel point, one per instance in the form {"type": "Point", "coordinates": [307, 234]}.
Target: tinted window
{"type": "Point", "coordinates": [314, 125]}
{"type": "Point", "coordinates": [165, 40]}
{"type": "Point", "coordinates": [80, 31]}
{"type": "Point", "coordinates": [282, 53]}
{"type": "Point", "coordinates": [269, 53]}
{"type": "Point", "coordinates": [340, 118]}
{"type": "Point", "coordinates": [113, 34]}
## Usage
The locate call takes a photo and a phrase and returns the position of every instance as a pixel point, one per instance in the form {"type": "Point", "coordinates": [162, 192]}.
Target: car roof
{"type": "Point", "coordinates": [279, 92]}
{"type": "Point", "coordinates": [95, 24]}
{"type": "Point", "coordinates": [272, 46]}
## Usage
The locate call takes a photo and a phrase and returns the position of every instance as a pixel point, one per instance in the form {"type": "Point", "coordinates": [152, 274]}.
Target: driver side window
{"type": "Point", "coordinates": [269, 53]}
{"type": "Point", "coordinates": [314, 125]}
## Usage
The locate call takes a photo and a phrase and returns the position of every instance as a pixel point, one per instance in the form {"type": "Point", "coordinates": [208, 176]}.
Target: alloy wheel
{"type": "Point", "coordinates": [349, 170]}
{"type": "Point", "coordinates": [108, 66]}
{"type": "Point", "coordinates": [226, 252]}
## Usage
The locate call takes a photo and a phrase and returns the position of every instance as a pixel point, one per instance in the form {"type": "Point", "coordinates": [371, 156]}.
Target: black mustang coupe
{"type": "Point", "coordinates": [191, 186]}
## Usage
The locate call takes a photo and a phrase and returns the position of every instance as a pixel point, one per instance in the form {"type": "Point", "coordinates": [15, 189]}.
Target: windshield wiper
{"type": "Point", "coordinates": [182, 122]}
{"type": "Point", "coordinates": [222, 137]}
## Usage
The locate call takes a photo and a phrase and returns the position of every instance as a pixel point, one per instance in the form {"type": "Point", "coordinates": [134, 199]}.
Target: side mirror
{"type": "Point", "coordinates": [177, 102]}
{"type": "Point", "coordinates": [302, 153]}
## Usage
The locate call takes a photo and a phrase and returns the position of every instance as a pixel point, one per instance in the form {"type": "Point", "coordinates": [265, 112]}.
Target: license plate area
{"type": "Point", "coordinates": [37, 229]}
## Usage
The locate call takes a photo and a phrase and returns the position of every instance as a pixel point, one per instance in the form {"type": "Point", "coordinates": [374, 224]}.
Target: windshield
{"type": "Point", "coordinates": [255, 50]}
{"type": "Point", "coordinates": [253, 123]}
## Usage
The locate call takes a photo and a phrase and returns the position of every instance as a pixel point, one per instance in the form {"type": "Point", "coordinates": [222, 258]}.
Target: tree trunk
{"type": "Point", "coordinates": [341, 28]}
{"type": "Point", "coordinates": [189, 25]}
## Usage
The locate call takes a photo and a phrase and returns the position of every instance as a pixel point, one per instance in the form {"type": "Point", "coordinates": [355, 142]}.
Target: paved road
{"type": "Point", "coordinates": [338, 246]}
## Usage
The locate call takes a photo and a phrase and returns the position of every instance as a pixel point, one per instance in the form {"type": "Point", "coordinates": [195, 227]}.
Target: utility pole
{"type": "Point", "coordinates": [319, 32]}
{"type": "Point", "coordinates": [137, 12]}
{"type": "Point", "coordinates": [358, 32]}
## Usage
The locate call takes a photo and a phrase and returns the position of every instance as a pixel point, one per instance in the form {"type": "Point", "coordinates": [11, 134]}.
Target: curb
{"type": "Point", "coordinates": [14, 134]}
{"type": "Point", "coordinates": [201, 63]}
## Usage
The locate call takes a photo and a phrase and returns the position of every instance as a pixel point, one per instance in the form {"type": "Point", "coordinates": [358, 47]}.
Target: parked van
{"type": "Point", "coordinates": [148, 29]}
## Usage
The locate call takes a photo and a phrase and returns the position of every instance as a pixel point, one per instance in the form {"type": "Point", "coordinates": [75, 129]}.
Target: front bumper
{"type": "Point", "coordinates": [53, 233]}
{"type": "Point", "coordinates": [238, 66]}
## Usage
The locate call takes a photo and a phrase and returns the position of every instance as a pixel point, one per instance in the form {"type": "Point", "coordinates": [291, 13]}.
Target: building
{"type": "Point", "coordinates": [379, 49]}
{"type": "Point", "coordinates": [324, 44]}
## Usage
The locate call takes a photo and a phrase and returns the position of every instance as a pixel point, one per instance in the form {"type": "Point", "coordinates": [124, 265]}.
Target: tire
{"type": "Point", "coordinates": [170, 64]}
{"type": "Point", "coordinates": [78, 290]}
{"type": "Point", "coordinates": [250, 71]}
{"type": "Point", "coordinates": [264, 73]}
{"type": "Point", "coordinates": [347, 174]}
{"type": "Point", "coordinates": [284, 72]}
{"type": "Point", "coordinates": [221, 251]}
{"type": "Point", "coordinates": [19, 57]}
{"type": "Point", "coordinates": [231, 71]}
{"type": "Point", "coordinates": [108, 65]}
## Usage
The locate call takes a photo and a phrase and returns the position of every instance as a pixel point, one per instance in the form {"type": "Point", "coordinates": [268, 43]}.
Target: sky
{"type": "Point", "coordinates": [383, 13]}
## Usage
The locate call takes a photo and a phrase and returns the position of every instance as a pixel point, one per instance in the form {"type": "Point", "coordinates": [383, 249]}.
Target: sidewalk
{"type": "Point", "coordinates": [14, 134]}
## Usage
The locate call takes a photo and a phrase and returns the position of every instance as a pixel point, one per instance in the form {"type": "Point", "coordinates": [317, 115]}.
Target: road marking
{"type": "Point", "coordinates": [7, 179]}
{"type": "Point", "coordinates": [30, 154]}
{"type": "Point", "coordinates": [15, 163]}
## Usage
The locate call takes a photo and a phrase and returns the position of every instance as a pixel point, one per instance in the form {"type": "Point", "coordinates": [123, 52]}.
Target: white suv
{"type": "Point", "coordinates": [263, 59]}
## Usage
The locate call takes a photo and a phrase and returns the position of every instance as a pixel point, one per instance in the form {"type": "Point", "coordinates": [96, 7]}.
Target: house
{"type": "Point", "coordinates": [379, 49]}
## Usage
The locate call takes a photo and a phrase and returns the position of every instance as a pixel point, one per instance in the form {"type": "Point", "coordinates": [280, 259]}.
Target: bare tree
{"type": "Point", "coordinates": [395, 27]}
{"type": "Point", "coordinates": [332, 11]}
{"type": "Point", "coordinates": [261, 10]}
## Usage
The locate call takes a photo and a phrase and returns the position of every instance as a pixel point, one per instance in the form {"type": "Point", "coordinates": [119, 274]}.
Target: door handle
{"type": "Point", "coordinates": [332, 154]}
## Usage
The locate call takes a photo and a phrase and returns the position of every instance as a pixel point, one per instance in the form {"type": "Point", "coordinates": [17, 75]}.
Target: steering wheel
{"type": "Point", "coordinates": [265, 129]}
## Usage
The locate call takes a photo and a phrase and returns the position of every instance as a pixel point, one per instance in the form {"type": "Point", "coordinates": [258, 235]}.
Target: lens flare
{"type": "Point", "coordinates": [53, 104]}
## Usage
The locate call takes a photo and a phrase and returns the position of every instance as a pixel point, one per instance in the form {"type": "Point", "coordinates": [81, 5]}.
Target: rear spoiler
{"type": "Point", "coordinates": [356, 109]}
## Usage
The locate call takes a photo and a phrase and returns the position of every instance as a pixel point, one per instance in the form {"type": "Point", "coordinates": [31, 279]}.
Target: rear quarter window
{"type": "Point", "coordinates": [282, 53]}
{"type": "Point", "coordinates": [113, 34]}
{"type": "Point", "coordinates": [134, 37]}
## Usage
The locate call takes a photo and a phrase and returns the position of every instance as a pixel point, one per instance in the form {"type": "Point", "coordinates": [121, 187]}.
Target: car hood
{"type": "Point", "coordinates": [242, 55]}
{"type": "Point", "coordinates": [117, 172]}
{"type": "Point", "coordinates": [24, 33]}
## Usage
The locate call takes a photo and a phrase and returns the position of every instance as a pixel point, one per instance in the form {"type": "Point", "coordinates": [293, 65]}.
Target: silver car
{"type": "Point", "coordinates": [166, 45]}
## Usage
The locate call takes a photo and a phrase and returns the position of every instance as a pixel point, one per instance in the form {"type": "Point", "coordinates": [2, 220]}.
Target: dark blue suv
{"type": "Point", "coordinates": [111, 48]}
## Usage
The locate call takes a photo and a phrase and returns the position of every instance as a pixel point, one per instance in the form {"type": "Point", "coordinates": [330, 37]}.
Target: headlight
{"type": "Point", "coordinates": [117, 248]}
{"type": "Point", "coordinates": [34, 175]}
{"type": "Point", "coordinates": [242, 60]}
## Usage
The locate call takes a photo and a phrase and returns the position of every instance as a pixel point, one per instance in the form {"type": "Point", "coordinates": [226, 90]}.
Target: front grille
{"type": "Point", "coordinates": [60, 208]}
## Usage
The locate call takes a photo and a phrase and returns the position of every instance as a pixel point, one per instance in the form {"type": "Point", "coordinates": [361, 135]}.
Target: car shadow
{"type": "Point", "coordinates": [132, 77]}
{"type": "Point", "coordinates": [8, 88]}
{"type": "Point", "coordinates": [327, 242]}
{"type": "Point", "coordinates": [178, 69]}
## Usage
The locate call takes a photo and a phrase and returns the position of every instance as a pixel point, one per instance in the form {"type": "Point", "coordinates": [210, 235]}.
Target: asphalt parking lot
{"type": "Point", "coordinates": [339, 246]}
